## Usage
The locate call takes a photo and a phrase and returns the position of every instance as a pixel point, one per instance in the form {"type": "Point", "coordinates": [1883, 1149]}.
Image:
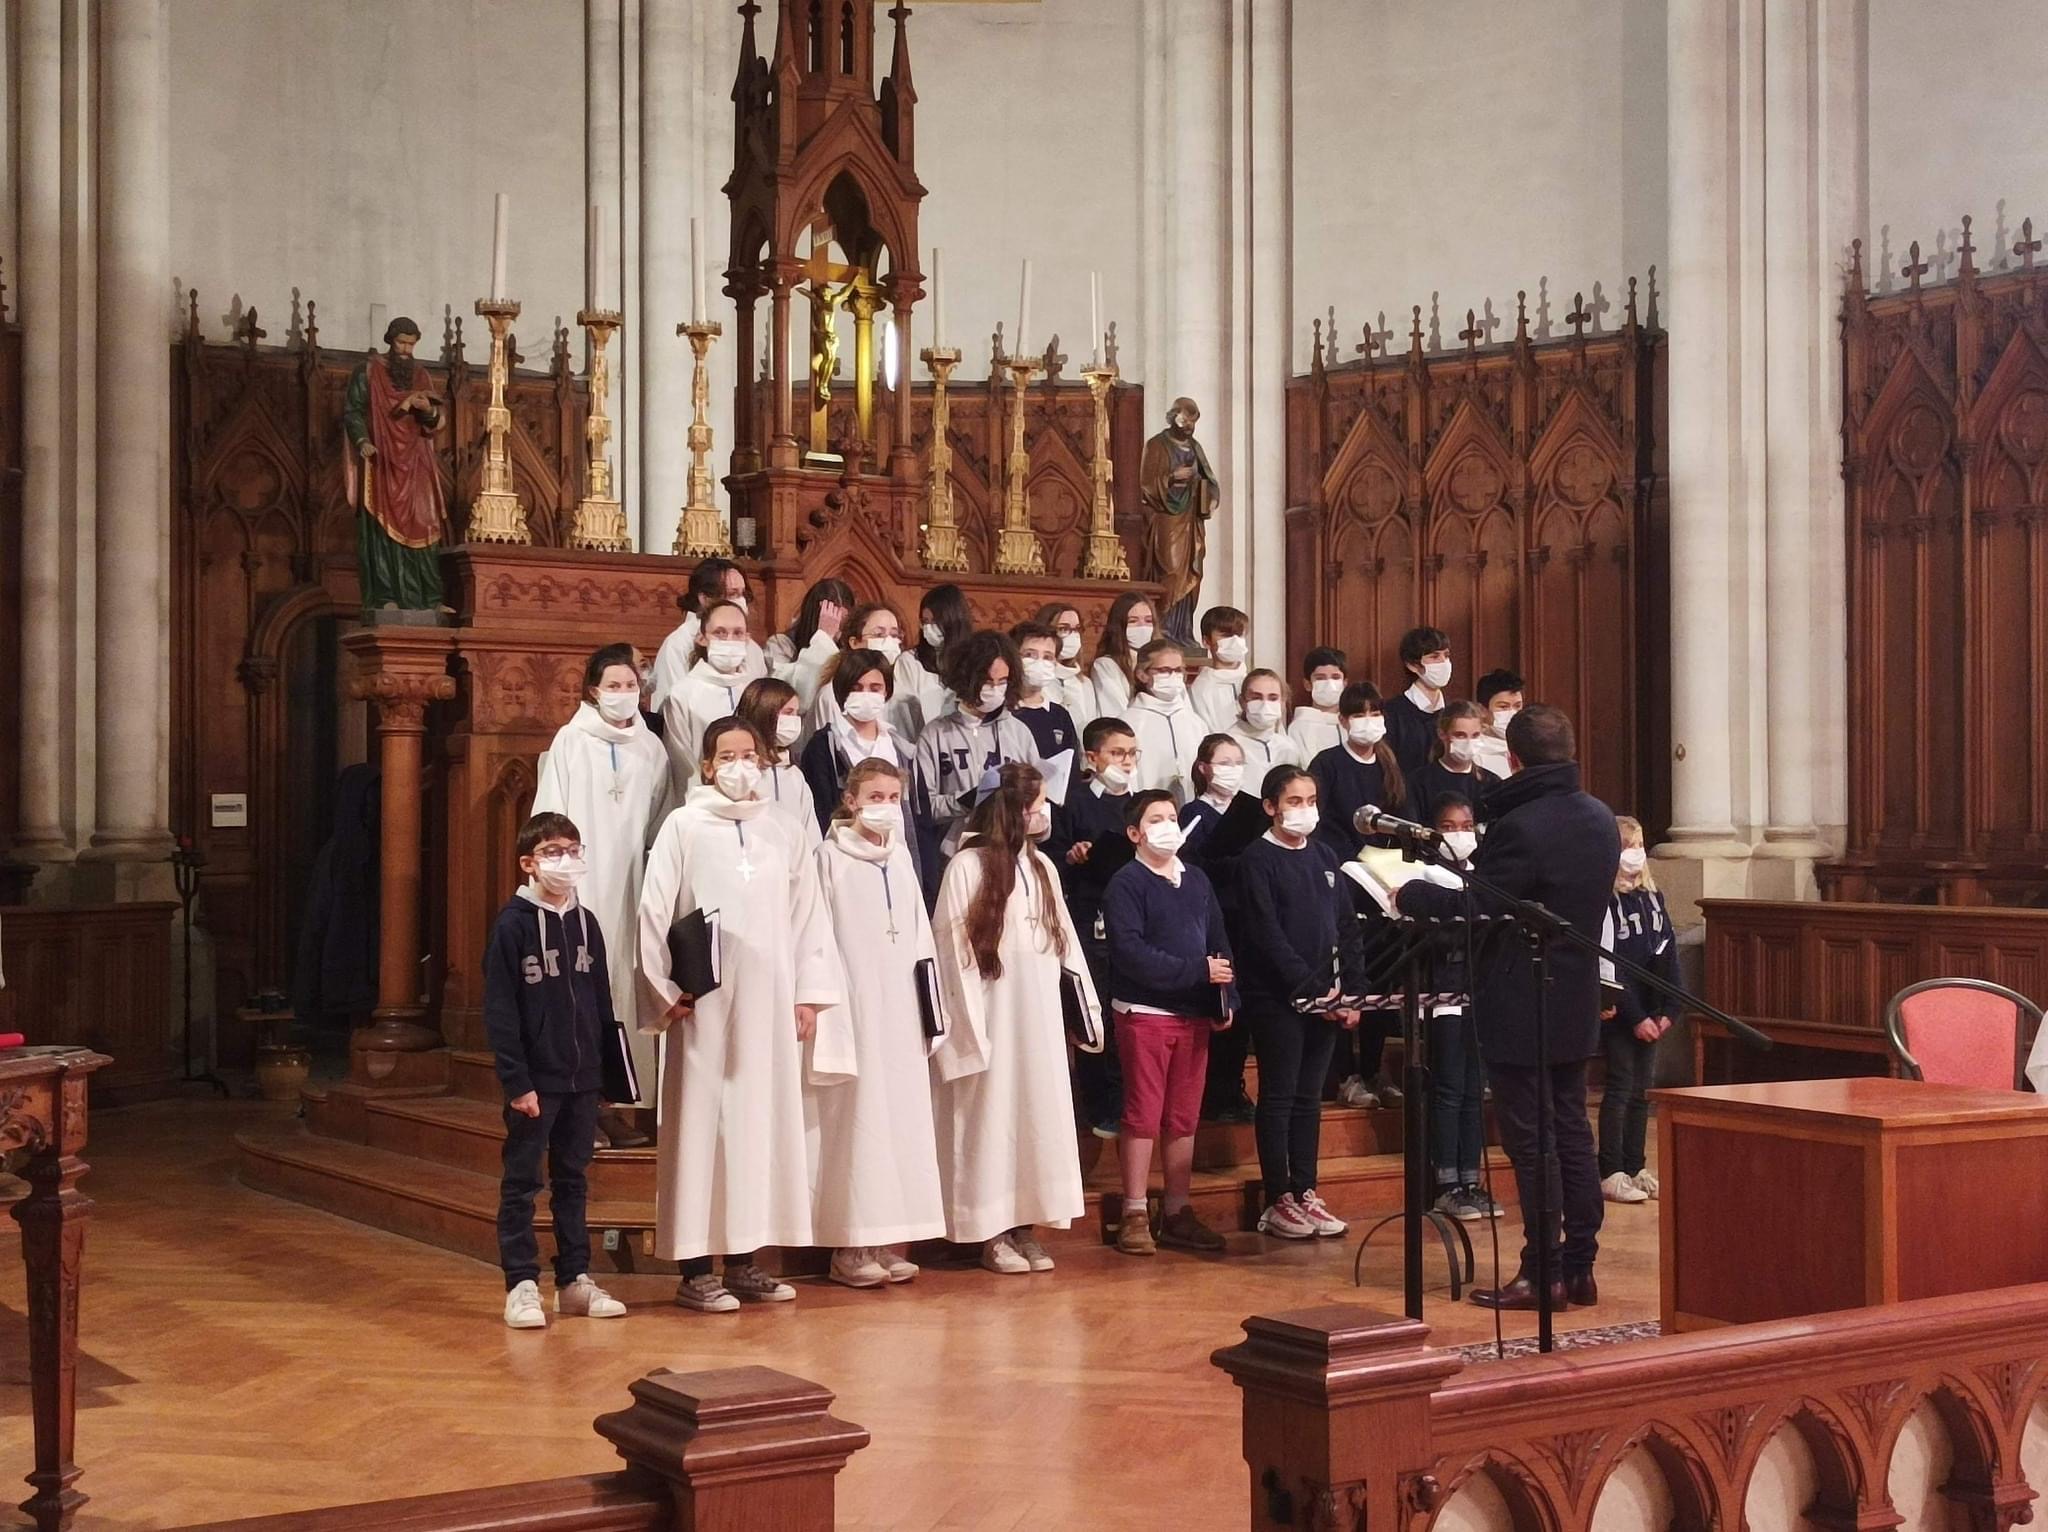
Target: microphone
{"type": "Point", "coordinates": [1373, 820]}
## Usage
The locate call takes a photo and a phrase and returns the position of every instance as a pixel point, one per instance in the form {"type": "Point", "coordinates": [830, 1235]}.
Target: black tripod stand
{"type": "Point", "coordinates": [186, 863]}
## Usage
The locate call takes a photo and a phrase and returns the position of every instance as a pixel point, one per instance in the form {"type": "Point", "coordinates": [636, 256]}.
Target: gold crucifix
{"type": "Point", "coordinates": [823, 271]}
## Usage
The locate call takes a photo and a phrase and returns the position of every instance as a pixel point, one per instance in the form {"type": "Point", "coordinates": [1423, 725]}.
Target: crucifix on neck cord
{"type": "Point", "coordinates": [825, 303]}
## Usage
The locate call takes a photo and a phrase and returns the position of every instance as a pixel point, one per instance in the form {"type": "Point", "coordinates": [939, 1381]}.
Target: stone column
{"type": "Point", "coordinates": [1268, 353]}
{"type": "Point", "coordinates": [601, 172]}
{"type": "Point", "coordinates": [667, 81]}
{"type": "Point", "coordinates": [38, 296]}
{"type": "Point", "coordinates": [133, 437]}
{"type": "Point", "coordinates": [399, 671]}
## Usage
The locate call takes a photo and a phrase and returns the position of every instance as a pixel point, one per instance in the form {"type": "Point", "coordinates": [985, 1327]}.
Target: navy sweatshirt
{"type": "Point", "coordinates": [1198, 821]}
{"type": "Point", "coordinates": [1296, 926]}
{"type": "Point", "coordinates": [1161, 939]}
{"type": "Point", "coordinates": [1641, 931]}
{"type": "Point", "coordinates": [1435, 780]}
{"type": "Point", "coordinates": [1097, 820]}
{"type": "Point", "coordinates": [547, 1004]}
{"type": "Point", "coordinates": [1345, 784]}
{"type": "Point", "coordinates": [1052, 729]}
{"type": "Point", "coordinates": [1411, 732]}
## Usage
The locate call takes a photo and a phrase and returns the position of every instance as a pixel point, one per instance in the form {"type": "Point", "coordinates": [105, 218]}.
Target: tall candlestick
{"type": "Point", "coordinates": [1019, 345]}
{"type": "Point", "coordinates": [1094, 318]}
{"type": "Point", "coordinates": [500, 234]}
{"type": "Point", "coordinates": [593, 258]}
{"type": "Point", "coordinates": [938, 305]}
{"type": "Point", "coordinates": [696, 276]}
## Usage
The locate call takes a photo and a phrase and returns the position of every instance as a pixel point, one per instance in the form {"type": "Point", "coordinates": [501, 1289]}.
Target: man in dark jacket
{"type": "Point", "coordinates": [1556, 845]}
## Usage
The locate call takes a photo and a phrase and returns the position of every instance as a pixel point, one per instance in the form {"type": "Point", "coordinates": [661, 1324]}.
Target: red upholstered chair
{"type": "Point", "coordinates": [1962, 1032]}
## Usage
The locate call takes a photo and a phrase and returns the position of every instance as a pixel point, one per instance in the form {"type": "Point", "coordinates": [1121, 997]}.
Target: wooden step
{"type": "Point", "coordinates": [474, 1075]}
{"type": "Point", "coordinates": [469, 1135]}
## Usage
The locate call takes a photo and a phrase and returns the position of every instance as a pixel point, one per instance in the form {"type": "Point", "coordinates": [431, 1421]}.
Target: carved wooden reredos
{"type": "Point", "coordinates": [1512, 495]}
{"type": "Point", "coordinates": [1945, 461]}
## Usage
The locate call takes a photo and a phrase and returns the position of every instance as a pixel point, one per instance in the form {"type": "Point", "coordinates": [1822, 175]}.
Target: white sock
{"type": "Point", "coordinates": [1135, 1205]}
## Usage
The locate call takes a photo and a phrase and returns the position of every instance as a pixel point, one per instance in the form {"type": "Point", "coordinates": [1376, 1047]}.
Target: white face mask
{"type": "Point", "coordinates": [738, 779]}
{"type": "Point", "coordinates": [1300, 821]}
{"type": "Point", "coordinates": [558, 875]}
{"type": "Point", "coordinates": [882, 818]}
{"type": "Point", "coordinates": [1437, 674]}
{"type": "Point", "coordinates": [1502, 717]}
{"type": "Point", "coordinates": [933, 634]}
{"type": "Point", "coordinates": [1039, 674]}
{"type": "Point", "coordinates": [1070, 645]}
{"type": "Point", "coordinates": [1113, 778]}
{"type": "Point", "coordinates": [618, 707]}
{"type": "Point", "coordinates": [1262, 714]}
{"type": "Point", "coordinates": [1169, 686]}
{"type": "Point", "coordinates": [1366, 729]}
{"type": "Point", "coordinates": [890, 648]}
{"type": "Point", "coordinates": [1633, 860]}
{"type": "Point", "coordinates": [993, 696]}
{"type": "Point", "coordinates": [1038, 823]}
{"type": "Point", "coordinates": [787, 727]}
{"type": "Point", "coordinates": [1461, 750]}
{"type": "Point", "coordinates": [1325, 692]}
{"type": "Point", "coordinates": [1138, 634]}
{"type": "Point", "coordinates": [865, 707]}
{"type": "Point", "coordinates": [739, 601]}
{"type": "Point", "coordinates": [1163, 836]}
{"type": "Point", "coordinates": [1231, 649]}
{"type": "Point", "coordinates": [726, 654]}
{"type": "Point", "coordinates": [1226, 779]}
{"type": "Point", "coordinates": [1461, 843]}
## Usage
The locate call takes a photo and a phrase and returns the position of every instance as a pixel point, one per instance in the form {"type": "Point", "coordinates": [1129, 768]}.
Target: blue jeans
{"type": "Point", "coordinates": [1457, 1104]}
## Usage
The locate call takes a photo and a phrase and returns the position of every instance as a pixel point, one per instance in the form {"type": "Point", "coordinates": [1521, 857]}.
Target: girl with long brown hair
{"type": "Point", "coordinates": [1131, 625]}
{"type": "Point", "coordinates": [1002, 1104]}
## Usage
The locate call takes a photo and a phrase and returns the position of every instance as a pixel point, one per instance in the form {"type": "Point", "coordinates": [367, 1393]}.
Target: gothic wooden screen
{"type": "Point", "coordinates": [1514, 497]}
{"type": "Point", "coordinates": [1945, 461]}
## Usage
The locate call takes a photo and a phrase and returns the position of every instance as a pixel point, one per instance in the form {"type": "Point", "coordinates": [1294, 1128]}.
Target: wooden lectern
{"type": "Point", "coordinates": [1803, 1196]}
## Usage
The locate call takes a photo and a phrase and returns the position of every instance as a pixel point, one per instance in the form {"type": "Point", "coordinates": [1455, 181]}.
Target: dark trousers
{"type": "Point", "coordinates": [567, 1130]}
{"type": "Point", "coordinates": [1624, 1110]}
{"type": "Point", "coordinates": [1362, 1050]}
{"type": "Point", "coordinates": [1575, 1189]}
{"type": "Point", "coordinates": [1227, 1050]}
{"type": "Point", "coordinates": [1457, 1103]}
{"type": "Point", "coordinates": [1294, 1055]}
{"type": "Point", "coordinates": [1099, 1077]}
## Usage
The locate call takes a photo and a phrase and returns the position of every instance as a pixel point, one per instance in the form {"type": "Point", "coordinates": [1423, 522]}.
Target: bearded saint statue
{"type": "Point", "coordinates": [394, 482]}
{"type": "Point", "coordinates": [1180, 493]}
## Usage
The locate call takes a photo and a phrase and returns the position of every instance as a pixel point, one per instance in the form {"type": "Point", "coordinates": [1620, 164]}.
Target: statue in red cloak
{"type": "Point", "coordinates": [394, 482]}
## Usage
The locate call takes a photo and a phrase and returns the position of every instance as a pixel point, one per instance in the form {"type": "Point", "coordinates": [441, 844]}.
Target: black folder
{"type": "Point", "coordinates": [929, 1011]}
{"type": "Point", "coordinates": [1083, 1030]}
{"type": "Point", "coordinates": [693, 953]}
{"type": "Point", "coordinates": [618, 1080]}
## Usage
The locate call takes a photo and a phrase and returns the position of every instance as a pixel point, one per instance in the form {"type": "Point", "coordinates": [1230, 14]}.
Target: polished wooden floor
{"type": "Point", "coordinates": [244, 1355]}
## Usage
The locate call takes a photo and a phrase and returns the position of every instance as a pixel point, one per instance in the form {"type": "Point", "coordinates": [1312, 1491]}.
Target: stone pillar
{"type": "Point", "coordinates": [1268, 353]}
{"type": "Point", "coordinates": [667, 81]}
{"type": "Point", "coordinates": [399, 671]}
{"type": "Point", "coordinates": [133, 439]}
{"type": "Point", "coordinates": [602, 63]}
{"type": "Point", "coordinates": [38, 296]}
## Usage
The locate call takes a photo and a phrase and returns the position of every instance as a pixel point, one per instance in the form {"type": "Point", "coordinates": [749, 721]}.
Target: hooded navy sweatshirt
{"type": "Point", "coordinates": [547, 1001]}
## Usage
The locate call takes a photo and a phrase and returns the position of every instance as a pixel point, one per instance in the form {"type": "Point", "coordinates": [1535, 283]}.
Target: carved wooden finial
{"type": "Point", "coordinates": [3, 292]}
{"type": "Point", "coordinates": [1316, 329]}
{"type": "Point", "coordinates": [312, 336]}
{"type": "Point", "coordinates": [995, 342]}
{"type": "Point", "coordinates": [1578, 316]}
{"type": "Point", "coordinates": [1650, 312]}
{"type": "Point", "coordinates": [1109, 346]}
{"type": "Point", "coordinates": [1966, 253]}
{"type": "Point", "coordinates": [192, 318]}
{"type": "Point", "coordinates": [1629, 313]}
{"type": "Point", "coordinates": [560, 359]}
{"type": "Point", "coordinates": [2026, 246]}
{"type": "Point", "coordinates": [1915, 268]}
{"type": "Point", "coordinates": [1415, 332]}
{"type": "Point", "coordinates": [1472, 333]}
{"type": "Point", "coordinates": [1521, 316]}
{"type": "Point", "coordinates": [248, 332]}
{"type": "Point", "coordinates": [1856, 264]}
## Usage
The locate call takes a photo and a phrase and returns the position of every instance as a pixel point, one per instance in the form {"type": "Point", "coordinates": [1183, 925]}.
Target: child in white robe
{"type": "Point", "coordinates": [1260, 730]}
{"type": "Point", "coordinates": [709, 689]}
{"type": "Point", "coordinates": [812, 642]}
{"type": "Point", "coordinates": [1002, 1104]}
{"type": "Point", "coordinates": [607, 771]}
{"type": "Point", "coordinates": [1214, 691]}
{"type": "Point", "coordinates": [1074, 690]}
{"type": "Point", "coordinates": [1316, 726]}
{"type": "Point", "coordinates": [733, 1172]}
{"type": "Point", "coordinates": [714, 579]}
{"type": "Point", "coordinates": [1168, 728]}
{"type": "Point", "coordinates": [1130, 626]}
{"type": "Point", "coordinates": [773, 708]}
{"type": "Point", "coordinates": [874, 1167]}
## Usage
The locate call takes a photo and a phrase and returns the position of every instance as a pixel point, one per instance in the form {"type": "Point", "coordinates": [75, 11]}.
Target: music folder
{"type": "Point", "coordinates": [693, 952]}
{"type": "Point", "coordinates": [618, 1080]}
{"type": "Point", "coordinates": [1084, 1030]}
{"type": "Point", "coordinates": [929, 1011]}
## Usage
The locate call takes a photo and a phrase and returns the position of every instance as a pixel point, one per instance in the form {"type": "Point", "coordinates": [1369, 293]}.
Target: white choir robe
{"type": "Point", "coordinates": [672, 660]}
{"type": "Point", "coordinates": [700, 699]}
{"type": "Point", "coordinates": [1213, 691]}
{"type": "Point", "coordinates": [1075, 692]}
{"type": "Point", "coordinates": [1262, 752]}
{"type": "Point", "coordinates": [800, 670]}
{"type": "Point", "coordinates": [614, 784]}
{"type": "Point", "coordinates": [790, 798]}
{"type": "Point", "coordinates": [919, 697]}
{"type": "Point", "coordinates": [1169, 736]}
{"type": "Point", "coordinates": [1111, 686]}
{"type": "Point", "coordinates": [1315, 731]}
{"type": "Point", "coordinates": [874, 1164]}
{"type": "Point", "coordinates": [733, 1172]}
{"type": "Point", "coordinates": [1002, 1103]}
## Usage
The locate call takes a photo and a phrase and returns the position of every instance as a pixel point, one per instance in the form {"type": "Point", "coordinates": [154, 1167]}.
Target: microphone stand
{"type": "Point", "coordinates": [1539, 927]}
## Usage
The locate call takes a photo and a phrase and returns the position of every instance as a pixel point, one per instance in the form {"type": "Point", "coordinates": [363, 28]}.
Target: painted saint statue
{"type": "Point", "coordinates": [394, 484]}
{"type": "Point", "coordinates": [1180, 494]}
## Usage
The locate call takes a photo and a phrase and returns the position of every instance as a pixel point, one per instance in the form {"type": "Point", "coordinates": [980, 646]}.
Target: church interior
{"type": "Point", "coordinates": [1638, 409]}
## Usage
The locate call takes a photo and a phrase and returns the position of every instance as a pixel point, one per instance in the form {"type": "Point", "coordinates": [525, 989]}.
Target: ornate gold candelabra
{"type": "Point", "coordinates": [942, 546]}
{"type": "Point", "coordinates": [600, 520]}
{"type": "Point", "coordinates": [701, 534]}
{"type": "Point", "coordinates": [497, 516]}
{"type": "Point", "coordinates": [1018, 551]}
{"type": "Point", "coordinates": [1105, 560]}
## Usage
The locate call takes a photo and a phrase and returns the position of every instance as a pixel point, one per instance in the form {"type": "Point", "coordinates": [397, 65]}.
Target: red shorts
{"type": "Point", "coordinates": [1166, 1066]}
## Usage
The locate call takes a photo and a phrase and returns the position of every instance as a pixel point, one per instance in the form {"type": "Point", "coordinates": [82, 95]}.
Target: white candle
{"type": "Point", "coordinates": [938, 305]}
{"type": "Point", "coordinates": [696, 276]}
{"type": "Point", "coordinates": [1095, 319]}
{"type": "Point", "coordinates": [500, 234]}
{"type": "Point", "coordinates": [593, 254]}
{"type": "Point", "coordinates": [1020, 347]}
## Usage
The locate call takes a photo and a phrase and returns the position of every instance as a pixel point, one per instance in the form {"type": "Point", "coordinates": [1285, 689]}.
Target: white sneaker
{"type": "Point", "coordinates": [1286, 1220]}
{"type": "Point", "coordinates": [522, 1308]}
{"type": "Point", "coordinates": [1326, 1223]}
{"type": "Point", "coordinates": [756, 1286]}
{"type": "Point", "coordinates": [1621, 1188]}
{"type": "Point", "coordinates": [900, 1268]}
{"type": "Point", "coordinates": [1646, 1183]}
{"type": "Point", "coordinates": [1032, 1251]}
{"type": "Point", "coordinates": [858, 1268]}
{"type": "Point", "coordinates": [1000, 1254]}
{"type": "Point", "coordinates": [1355, 1092]}
{"type": "Point", "coordinates": [584, 1297]}
{"type": "Point", "coordinates": [705, 1294]}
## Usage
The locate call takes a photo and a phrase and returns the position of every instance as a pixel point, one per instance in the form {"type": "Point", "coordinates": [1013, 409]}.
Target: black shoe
{"type": "Point", "coordinates": [1238, 1111]}
{"type": "Point", "coordinates": [1583, 1291]}
{"type": "Point", "coordinates": [1519, 1296]}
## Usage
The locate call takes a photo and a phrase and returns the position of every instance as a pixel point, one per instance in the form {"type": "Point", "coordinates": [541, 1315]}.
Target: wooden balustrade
{"type": "Point", "coordinates": [741, 1449]}
{"type": "Point", "coordinates": [1352, 1420]}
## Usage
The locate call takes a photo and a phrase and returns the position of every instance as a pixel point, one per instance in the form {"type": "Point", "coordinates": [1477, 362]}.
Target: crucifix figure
{"type": "Point", "coordinates": [823, 271]}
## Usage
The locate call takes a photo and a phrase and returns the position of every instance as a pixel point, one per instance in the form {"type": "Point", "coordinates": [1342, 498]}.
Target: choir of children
{"type": "Point", "coordinates": [911, 943]}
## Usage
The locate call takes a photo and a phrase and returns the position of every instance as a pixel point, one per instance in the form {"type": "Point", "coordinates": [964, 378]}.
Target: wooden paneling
{"type": "Point", "coordinates": [1514, 497]}
{"type": "Point", "coordinates": [98, 976]}
{"type": "Point", "coordinates": [12, 463]}
{"type": "Point", "coordinates": [1945, 459]}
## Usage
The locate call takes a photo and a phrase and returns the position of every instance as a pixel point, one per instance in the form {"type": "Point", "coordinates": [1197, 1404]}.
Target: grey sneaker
{"type": "Point", "coordinates": [756, 1286]}
{"type": "Point", "coordinates": [705, 1294]}
{"type": "Point", "coordinates": [1457, 1203]}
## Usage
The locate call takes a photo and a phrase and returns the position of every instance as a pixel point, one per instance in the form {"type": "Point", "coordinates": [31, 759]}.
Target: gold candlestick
{"type": "Point", "coordinates": [600, 520]}
{"type": "Point", "coordinates": [942, 546]}
{"type": "Point", "coordinates": [1018, 551]}
{"type": "Point", "coordinates": [497, 515]}
{"type": "Point", "coordinates": [701, 532]}
{"type": "Point", "coordinates": [1105, 560]}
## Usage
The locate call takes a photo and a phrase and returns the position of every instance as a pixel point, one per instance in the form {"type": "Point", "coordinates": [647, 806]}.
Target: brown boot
{"type": "Point", "coordinates": [618, 1127]}
{"type": "Point", "coordinates": [1134, 1233]}
{"type": "Point", "coordinates": [1184, 1231]}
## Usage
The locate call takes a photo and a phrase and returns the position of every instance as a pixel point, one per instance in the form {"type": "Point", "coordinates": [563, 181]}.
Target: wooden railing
{"type": "Point", "coordinates": [1352, 1420]}
{"type": "Point", "coordinates": [742, 1449]}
